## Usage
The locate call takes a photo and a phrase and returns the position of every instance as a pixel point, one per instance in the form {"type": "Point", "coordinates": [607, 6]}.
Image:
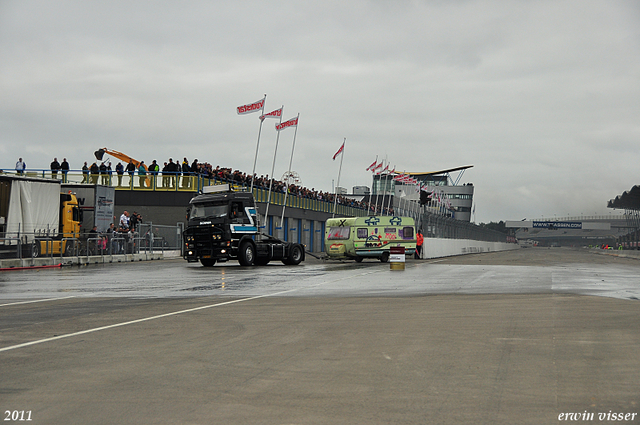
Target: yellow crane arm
{"type": "Point", "coordinates": [101, 152]}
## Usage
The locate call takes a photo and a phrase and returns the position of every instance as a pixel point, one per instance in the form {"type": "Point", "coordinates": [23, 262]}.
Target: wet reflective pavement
{"type": "Point", "coordinates": [583, 273]}
{"type": "Point", "coordinates": [501, 338]}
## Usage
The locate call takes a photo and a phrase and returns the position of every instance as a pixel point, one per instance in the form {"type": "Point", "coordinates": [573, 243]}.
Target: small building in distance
{"type": "Point", "coordinates": [439, 191]}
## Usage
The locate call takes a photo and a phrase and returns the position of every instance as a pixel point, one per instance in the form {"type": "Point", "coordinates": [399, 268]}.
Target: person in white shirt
{"type": "Point", "coordinates": [124, 220]}
{"type": "Point", "coordinates": [20, 167]}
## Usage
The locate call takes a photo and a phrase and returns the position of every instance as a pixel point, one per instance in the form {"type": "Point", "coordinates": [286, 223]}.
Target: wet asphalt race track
{"type": "Point", "coordinates": [515, 337]}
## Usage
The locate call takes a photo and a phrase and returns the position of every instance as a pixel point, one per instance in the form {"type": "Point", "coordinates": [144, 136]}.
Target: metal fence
{"type": "Point", "coordinates": [157, 237]}
{"type": "Point", "coordinates": [438, 225]}
{"type": "Point", "coordinates": [147, 238]}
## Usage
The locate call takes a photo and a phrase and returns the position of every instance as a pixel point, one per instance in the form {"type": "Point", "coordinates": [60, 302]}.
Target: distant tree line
{"type": "Point", "coordinates": [498, 227]}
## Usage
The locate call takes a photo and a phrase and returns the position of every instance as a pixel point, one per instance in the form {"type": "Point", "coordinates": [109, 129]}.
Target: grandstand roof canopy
{"type": "Point", "coordinates": [449, 170]}
{"type": "Point", "coordinates": [629, 200]}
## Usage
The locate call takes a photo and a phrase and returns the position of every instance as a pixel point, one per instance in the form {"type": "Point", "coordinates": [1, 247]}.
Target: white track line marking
{"type": "Point", "coordinates": [37, 301]}
{"type": "Point", "coordinates": [160, 316]}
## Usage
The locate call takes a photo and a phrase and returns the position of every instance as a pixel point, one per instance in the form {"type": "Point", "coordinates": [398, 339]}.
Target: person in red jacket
{"type": "Point", "coordinates": [419, 242]}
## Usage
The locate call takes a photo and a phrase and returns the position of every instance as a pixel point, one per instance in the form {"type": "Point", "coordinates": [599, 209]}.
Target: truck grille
{"type": "Point", "coordinates": [204, 236]}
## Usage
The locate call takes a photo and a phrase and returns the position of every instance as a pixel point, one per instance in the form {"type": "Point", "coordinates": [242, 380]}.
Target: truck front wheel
{"type": "Point", "coordinates": [246, 254]}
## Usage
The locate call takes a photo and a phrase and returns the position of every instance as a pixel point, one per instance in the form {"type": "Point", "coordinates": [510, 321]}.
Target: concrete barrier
{"type": "Point", "coordinates": [8, 264]}
{"type": "Point", "coordinates": [618, 253]}
{"type": "Point", "coordinates": [436, 248]}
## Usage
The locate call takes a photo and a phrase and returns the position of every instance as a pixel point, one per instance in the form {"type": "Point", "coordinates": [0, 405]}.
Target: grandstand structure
{"type": "Point", "coordinates": [629, 202]}
{"type": "Point", "coordinates": [576, 231]}
{"type": "Point", "coordinates": [440, 191]}
{"type": "Point", "coordinates": [162, 200]}
{"type": "Point", "coordinates": [620, 229]}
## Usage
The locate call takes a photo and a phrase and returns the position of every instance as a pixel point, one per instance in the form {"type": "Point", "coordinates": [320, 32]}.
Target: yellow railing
{"type": "Point", "coordinates": [123, 182]}
{"type": "Point", "coordinates": [277, 198]}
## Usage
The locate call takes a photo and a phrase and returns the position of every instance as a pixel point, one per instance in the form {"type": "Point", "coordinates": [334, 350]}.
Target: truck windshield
{"type": "Point", "coordinates": [207, 211]}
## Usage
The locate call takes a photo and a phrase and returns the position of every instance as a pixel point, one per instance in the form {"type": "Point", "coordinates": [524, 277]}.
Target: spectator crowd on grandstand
{"type": "Point", "coordinates": [171, 172]}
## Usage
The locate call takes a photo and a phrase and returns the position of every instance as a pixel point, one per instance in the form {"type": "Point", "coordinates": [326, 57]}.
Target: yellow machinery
{"type": "Point", "coordinates": [126, 158]}
{"type": "Point", "coordinates": [69, 229]}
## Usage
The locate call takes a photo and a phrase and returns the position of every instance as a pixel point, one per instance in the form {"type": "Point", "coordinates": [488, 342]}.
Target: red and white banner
{"type": "Point", "coordinates": [405, 178]}
{"type": "Point", "coordinates": [372, 166]}
{"type": "Point", "coordinates": [273, 114]}
{"type": "Point", "coordinates": [251, 107]}
{"type": "Point", "coordinates": [293, 122]}
{"type": "Point", "coordinates": [384, 170]}
{"type": "Point", "coordinates": [339, 152]}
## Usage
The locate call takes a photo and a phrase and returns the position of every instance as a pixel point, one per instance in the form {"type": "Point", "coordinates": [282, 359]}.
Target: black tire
{"type": "Point", "coordinates": [208, 262]}
{"type": "Point", "coordinates": [246, 254]}
{"type": "Point", "coordinates": [70, 249]}
{"type": "Point", "coordinates": [296, 255]}
{"type": "Point", "coordinates": [384, 257]}
{"type": "Point", "coordinates": [86, 251]}
{"type": "Point", "coordinates": [36, 249]}
{"type": "Point", "coordinates": [359, 259]}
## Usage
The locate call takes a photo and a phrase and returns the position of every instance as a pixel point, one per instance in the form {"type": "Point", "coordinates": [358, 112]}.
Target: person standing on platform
{"type": "Point", "coordinates": [186, 174]}
{"type": "Point", "coordinates": [131, 169]}
{"type": "Point", "coordinates": [55, 166]}
{"type": "Point", "coordinates": [103, 174]}
{"type": "Point", "coordinates": [85, 173]}
{"type": "Point", "coordinates": [65, 169]}
{"type": "Point", "coordinates": [20, 167]}
{"type": "Point", "coordinates": [95, 173]}
{"type": "Point", "coordinates": [165, 176]}
{"type": "Point", "coordinates": [109, 173]}
{"type": "Point", "coordinates": [154, 168]}
{"type": "Point", "coordinates": [142, 174]}
{"type": "Point", "coordinates": [119, 172]}
{"type": "Point", "coordinates": [172, 170]}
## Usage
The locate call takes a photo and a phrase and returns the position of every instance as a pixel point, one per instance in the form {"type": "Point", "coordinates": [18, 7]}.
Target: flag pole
{"type": "Point", "coordinates": [383, 193]}
{"type": "Point", "coordinates": [286, 193]}
{"type": "Point", "coordinates": [373, 181]}
{"type": "Point", "coordinates": [273, 166]}
{"type": "Point", "coordinates": [393, 193]}
{"type": "Point", "coordinates": [375, 211]}
{"type": "Point", "coordinates": [255, 159]}
{"type": "Point", "coordinates": [417, 204]}
{"type": "Point", "coordinates": [335, 200]}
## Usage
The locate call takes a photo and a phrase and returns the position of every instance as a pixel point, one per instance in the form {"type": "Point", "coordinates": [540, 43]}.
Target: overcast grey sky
{"type": "Point", "coordinates": [541, 97]}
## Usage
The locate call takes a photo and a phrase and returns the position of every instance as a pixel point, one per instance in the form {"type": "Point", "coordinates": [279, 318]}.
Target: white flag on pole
{"type": "Point", "coordinates": [273, 114]}
{"type": "Point", "coordinates": [251, 107]}
{"type": "Point", "coordinates": [293, 122]}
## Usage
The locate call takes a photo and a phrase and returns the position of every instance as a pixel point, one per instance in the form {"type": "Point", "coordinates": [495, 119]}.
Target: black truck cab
{"type": "Point", "coordinates": [223, 225]}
